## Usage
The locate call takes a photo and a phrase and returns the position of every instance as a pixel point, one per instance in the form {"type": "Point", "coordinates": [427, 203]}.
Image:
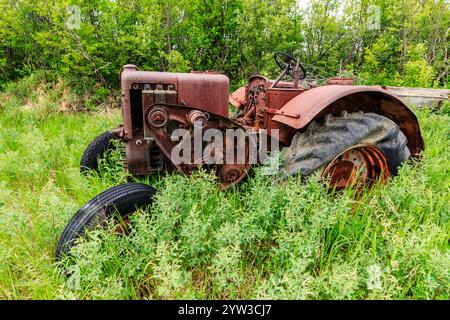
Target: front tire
{"type": "Point", "coordinates": [124, 199]}
{"type": "Point", "coordinates": [96, 150]}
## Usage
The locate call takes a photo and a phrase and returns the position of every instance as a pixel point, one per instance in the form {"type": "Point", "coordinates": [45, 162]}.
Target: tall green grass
{"type": "Point", "coordinates": [260, 239]}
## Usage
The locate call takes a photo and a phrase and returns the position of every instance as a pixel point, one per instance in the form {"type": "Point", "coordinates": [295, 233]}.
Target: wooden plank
{"type": "Point", "coordinates": [421, 97]}
{"type": "Point", "coordinates": [441, 94]}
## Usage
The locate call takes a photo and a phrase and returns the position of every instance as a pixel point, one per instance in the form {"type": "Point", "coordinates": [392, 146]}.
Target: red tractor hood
{"type": "Point", "coordinates": [204, 91]}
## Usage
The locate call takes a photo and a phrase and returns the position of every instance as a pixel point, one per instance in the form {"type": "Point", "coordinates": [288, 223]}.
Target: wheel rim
{"type": "Point", "coordinates": [360, 165]}
{"type": "Point", "coordinates": [122, 227]}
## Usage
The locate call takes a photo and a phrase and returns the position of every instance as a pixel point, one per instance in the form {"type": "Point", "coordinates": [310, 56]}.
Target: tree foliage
{"type": "Point", "coordinates": [87, 42]}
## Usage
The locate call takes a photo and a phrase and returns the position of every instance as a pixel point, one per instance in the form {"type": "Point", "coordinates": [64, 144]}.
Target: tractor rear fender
{"type": "Point", "coordinates": [315, 103]}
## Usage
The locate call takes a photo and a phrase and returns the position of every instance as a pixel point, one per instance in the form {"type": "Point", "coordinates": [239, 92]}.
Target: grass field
{"type": "Point", "coordinates": [259, 240]}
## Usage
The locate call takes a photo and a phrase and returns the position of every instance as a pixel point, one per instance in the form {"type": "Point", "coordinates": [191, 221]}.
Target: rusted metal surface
{"type": "Point", "coordinates": [180, 117]}
{"type": "Point", "coordinates": [316, 103]}
{"type": "Point", "coordinates": [238, 98]}
{"type": "Point", "coordinates": [340, 81]}
{"type": "Point", "coordinates": [119, 132]}
{"type": "Point", "coordinates": [197, 118]}
{"type": "Point", "coordinates": [263, 102]}
{"type": "Point", "coordinates": [360, 165]}
{"type": "Point", "coordinates": [154, 104]}
{"type": "Point", "coordinates": [203, 91]}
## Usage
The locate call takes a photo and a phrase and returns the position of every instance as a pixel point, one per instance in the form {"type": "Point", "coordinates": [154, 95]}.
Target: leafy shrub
{"type": "Point", "coordinates": [27, 87]}
{"type": "Point", "coordinates": [235, 38]}
{"type": "Point", "coordinates": [418, 73]}
{"type": "Point", "coordinates": [445, 108]}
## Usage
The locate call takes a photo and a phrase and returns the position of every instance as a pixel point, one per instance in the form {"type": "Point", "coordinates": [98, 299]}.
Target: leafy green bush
{"type": "Point", "coordinates": [445, 108]}
{"type": "Point", "coordinates": [27, 87]}
{"type": "Point", "coordinates": [418, 73]}
{"type": "Point", "coordinates": [86, 43]}
{"type": "Point", "coordinates": [37, 91]}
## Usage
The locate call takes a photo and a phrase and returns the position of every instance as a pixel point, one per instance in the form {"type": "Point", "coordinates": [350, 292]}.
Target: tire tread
{"type": "Point", "coordinates": [124, 198]}
{"type": "Point", "coordinates": [322, 142]}
{"type": "Point", "coordinates": [95, 150]}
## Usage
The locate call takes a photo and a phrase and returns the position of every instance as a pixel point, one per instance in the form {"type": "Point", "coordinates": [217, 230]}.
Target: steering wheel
{"type": "Point", "coordinates": [287, 61]}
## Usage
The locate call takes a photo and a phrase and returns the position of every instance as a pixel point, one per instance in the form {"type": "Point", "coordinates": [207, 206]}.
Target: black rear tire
{"type": "Point", "coordinates": [124, 199]}
{"type": "Point", "coordinates": [96, 150]}
{"type": "Point", "coordinates": [321, 142]}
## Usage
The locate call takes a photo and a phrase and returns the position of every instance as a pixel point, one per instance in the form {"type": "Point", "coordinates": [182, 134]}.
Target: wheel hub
{"type": "Point", "coordinates": [360, 165]}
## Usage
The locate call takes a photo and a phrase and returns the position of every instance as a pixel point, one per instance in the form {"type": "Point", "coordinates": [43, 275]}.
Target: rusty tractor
{"type": "Point", "coordinates": [350, 134]}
